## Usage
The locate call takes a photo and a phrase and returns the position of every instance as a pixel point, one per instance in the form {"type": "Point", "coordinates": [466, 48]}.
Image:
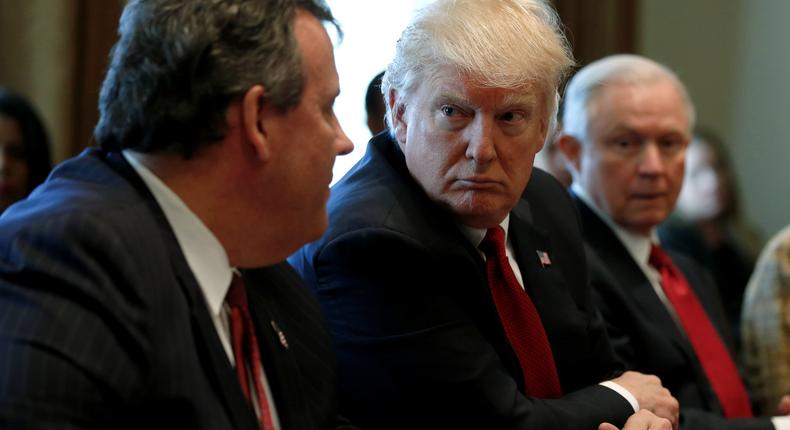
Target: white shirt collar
{"type": "Point", "coordinates": [204, 253]}
{"type": "Point", "coordinates": [476, 235]}
{"type": "Point", "coordinates": [637, 245]}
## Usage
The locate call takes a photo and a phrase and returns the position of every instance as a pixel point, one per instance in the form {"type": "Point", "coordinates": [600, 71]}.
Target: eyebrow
{"type": "Point", "coordinates": [510, 100]}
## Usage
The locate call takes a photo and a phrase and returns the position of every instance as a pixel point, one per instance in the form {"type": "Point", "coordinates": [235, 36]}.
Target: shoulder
{"type": "Point", "coordinates": [86, 225]}
{"type": "Point", "coordinates": [378, 200]}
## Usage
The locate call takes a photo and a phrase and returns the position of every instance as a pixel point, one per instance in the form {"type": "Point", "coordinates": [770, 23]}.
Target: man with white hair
{"type": "Point", "coordinates": [453, 302]}
{"type": "Point", "coordinates": [626, 125]}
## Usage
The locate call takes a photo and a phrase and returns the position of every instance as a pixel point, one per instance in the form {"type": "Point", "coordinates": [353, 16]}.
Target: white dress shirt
{"type": "Point", "coordinates": [638, 247]}
{"type": "Point", "coordinates": [206, 258]}
{"type": "Point", "coordinates": [476, 235]}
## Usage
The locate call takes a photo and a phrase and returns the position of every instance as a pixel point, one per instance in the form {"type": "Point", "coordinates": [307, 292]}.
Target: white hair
{"type": "Point", "coordinates": [499, 43]}
{"type": "Point", "coordinates": [622, 69]}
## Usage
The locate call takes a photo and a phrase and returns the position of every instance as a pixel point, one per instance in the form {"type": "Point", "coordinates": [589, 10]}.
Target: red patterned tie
{"type": "Point", "coordinates": [707, 344]}
{"type": "Point", "coordinates": [521, 320]}
{"type": "Point", "coordinates": [245, 349]}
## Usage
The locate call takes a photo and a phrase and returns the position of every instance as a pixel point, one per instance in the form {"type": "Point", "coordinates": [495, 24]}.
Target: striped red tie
{"type": "Point", "coordinates": [245, 349]}
{"type": "Point", "coordinates": [521, 320]}
{"type": "Point", "coordinates": [711, 352]}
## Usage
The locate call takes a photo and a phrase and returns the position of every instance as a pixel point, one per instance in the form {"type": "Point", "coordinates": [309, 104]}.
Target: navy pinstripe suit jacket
{"type": "Point", "coordinates": [102, 324]}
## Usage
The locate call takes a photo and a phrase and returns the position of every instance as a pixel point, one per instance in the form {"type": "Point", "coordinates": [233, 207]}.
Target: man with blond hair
{"type": "Point", "coordinates": [453, 302]}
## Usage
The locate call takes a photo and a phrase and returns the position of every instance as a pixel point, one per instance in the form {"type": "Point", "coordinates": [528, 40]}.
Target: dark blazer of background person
{"type": "Point", "coordinates": [418, 337]}
{"type": "Point", "coordinates": [644, 334]}
{"type": "Point", "coordinates": [93, 334]}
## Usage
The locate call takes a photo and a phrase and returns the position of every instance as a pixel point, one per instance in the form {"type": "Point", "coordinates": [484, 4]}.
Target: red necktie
{"type": "Point", "coordinates": [245, 349]}
{"type": "Point", "coordinates": [707, 344]}
{"type": "Point", "coordinates": [520, 319]}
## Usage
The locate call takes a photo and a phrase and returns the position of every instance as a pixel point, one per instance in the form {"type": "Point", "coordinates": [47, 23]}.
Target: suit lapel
{"type": "Point", "coordinates": [279, 364]}
{"type": "Point", "coordinates": [527, 241]}
{"type": "Point", "coordinates": [215, 360]}
{"type": "Point", "coordinates": [621, 264]}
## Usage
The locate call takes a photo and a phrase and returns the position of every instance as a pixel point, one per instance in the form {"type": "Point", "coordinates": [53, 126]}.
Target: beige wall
{"type": "Point", "coordinates": [36, 60]}
{"type": "Point", "coordinates": [732, 54]}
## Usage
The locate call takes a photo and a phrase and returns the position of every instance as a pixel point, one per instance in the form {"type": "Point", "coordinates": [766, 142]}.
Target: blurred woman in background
{"type": "Point", "coordinates": [708, 224]}
{"type": "Point", "coordinates": [24, 149]}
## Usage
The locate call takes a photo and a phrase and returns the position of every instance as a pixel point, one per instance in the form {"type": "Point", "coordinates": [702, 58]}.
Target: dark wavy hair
{"type": "Point", "coordinates": [179, 63]}
{"type": "Point", "coordinates": [35, 142]}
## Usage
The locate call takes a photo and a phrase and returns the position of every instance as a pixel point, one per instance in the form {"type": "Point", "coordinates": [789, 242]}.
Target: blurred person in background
{"type": "Point", "coordinates": [24, 149]}
{"type": "Point", "coordinates": [765, 326]}
{"type": "Point", "coordinates": [708, 224]}
{"type": "Point", "coordinates": [374, 105]}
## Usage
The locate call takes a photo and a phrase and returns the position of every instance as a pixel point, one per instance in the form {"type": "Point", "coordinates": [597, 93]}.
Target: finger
{"type": "Point", "coordinates": [606, 426]}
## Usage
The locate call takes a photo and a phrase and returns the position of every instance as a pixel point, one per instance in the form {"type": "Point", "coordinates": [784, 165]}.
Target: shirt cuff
{"type": "Point", "coordinates": [781, 423]}
{"type": "Point", "coordinates": [630, 397]}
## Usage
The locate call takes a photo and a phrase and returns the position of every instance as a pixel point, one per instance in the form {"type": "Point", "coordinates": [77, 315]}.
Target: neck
{"type": "Point", "coordinates": [213, 188]}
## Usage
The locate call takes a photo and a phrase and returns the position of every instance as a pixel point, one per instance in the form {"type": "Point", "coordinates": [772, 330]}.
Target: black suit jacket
{"type": "Point", "coordinates": [419, 341]}
{"type": "Point", "coordinates": [644, 334]}
{"type": "Point", "coordinates": [102, 324]}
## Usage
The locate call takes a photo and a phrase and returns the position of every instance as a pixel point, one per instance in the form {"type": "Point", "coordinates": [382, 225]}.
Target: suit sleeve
{"type": "Point", "coordinates": [411, 357]}
{"type": "Point", "coordinates": [68, 354]}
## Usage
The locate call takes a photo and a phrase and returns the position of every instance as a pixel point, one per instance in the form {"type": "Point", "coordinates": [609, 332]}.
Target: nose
{"type": "Point", "coordinates": [480, 146]}
{"type": "Point", "coordinates": [652, 162]}
{"type": "Point", "coordinates": [343, 145]}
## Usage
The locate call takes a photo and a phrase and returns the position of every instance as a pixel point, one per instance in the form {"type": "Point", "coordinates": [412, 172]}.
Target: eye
{"type": "Point", "coordinates": [512, 116]}
{"type": "Point", "coordinates": [671, 145]}
{"type": "Point", "coordinates": [15, 151]}
{"type": "Point", "coordinates": [449, 111]}
{"type": "Point", "coordinates": [626, 145]}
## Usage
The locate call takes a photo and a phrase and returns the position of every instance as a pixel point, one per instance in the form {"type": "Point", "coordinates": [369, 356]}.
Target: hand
{"type": "Point", "coordinates": [784, 405]}
{"type": "Point", "coordinates": [642, 420]}
{"type": "Point", "coordinates": [651, 395]}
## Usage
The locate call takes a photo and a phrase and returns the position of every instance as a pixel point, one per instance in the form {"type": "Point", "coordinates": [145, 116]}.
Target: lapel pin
{"type": "Point", "coordinates": [280, 334]}
{"type": "Point", "coordinates": [543, 256]}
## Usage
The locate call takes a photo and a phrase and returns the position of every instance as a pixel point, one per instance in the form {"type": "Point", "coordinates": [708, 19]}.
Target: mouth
{"type": "Point", "coordinates": [478, 183]}
{"type": "Point", "coordinates": [648, 195]}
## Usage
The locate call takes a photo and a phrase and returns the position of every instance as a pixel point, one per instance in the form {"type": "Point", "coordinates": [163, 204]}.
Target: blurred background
{"type": "Point", "coordinates": [732, 55]}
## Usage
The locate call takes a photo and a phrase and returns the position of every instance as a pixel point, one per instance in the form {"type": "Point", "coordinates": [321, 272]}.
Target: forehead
{"type": "Point", "coordinates": [318, 59]}
{"type": "Point", "coordinates": [656, 105]}
{"type": "Point", "coordinates": [450, 85]}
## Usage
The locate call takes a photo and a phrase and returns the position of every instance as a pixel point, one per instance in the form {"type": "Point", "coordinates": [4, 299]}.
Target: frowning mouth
{"type": "Point", "coordinates": [648, 196]}
{"type": "Point", "coordinates": [478, 183]}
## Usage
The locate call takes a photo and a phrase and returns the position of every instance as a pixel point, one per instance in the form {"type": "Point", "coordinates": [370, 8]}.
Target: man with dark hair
{"type": "Point", "coordinates": [129, 296]}
{"type": "Point", "coordinates": [374, 105]}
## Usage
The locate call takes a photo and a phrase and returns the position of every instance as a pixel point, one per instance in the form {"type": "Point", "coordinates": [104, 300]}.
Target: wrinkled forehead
{"type": "Point", "coordinates": [449, 81]}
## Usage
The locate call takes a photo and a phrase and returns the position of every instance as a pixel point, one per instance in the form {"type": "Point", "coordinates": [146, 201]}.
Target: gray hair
{"type": "Point", "coordinates": [500, 43]}
{"type": "Point", "coordinates": [622, 69]}
{"type": "Point", "coordinates": [179, 63]}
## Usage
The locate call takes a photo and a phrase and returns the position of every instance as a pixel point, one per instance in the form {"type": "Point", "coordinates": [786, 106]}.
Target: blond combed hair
{"type": "Point", "coordinates": [499, 43]}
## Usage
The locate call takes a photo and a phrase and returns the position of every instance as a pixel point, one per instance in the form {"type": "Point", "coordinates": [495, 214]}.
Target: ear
{"type": "Point", "coordinates": [571, 148]}
{"type": "Point", "coordinates": [398, 112]}
{"type": "Point", "coordinates": [253, 120]}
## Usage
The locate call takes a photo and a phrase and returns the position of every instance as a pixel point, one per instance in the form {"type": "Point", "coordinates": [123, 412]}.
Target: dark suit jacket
{"type": "Point", "coordinates": [102, 324]}
{"type": "Point", "coordinates": [419, 341]}
{"type": "Point", "coordinates": [642, 330]}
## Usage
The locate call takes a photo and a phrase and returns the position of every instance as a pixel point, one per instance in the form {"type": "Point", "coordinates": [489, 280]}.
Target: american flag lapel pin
{"type": "Point", "coordinates": [280, 334]}
{"type": "Point", "coordinates": [543, 256]}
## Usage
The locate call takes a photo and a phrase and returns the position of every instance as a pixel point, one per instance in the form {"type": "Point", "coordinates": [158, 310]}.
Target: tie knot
{"type": "Point", "coordinates": [659, 258]}
{"type": "Point", "coordinates": [494, 241]}
{"type": "Point", "coordinates": [237, 295]}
